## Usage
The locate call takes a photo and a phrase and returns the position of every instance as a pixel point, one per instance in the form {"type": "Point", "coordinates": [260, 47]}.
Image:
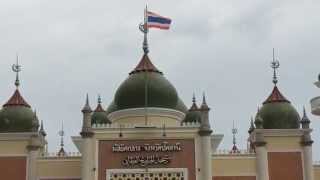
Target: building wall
{"type": "Point", "coordinates": [13, 147]}
{"type": "Point", "coordinates": [316, 170]}
{"type": "Point", "coordinates": [13, 159]}
{"type": "Point", "coordinates": [231, 167]}
{"type": "Point", "coordinates": [180, 159]}
{"type": "Point", "coordinates": [234, 178]}
{"type": "Point", "coordinates": [283, 143]}
{"type": "Point", "coordinates": [285, 165]}
{"type": "Point", "coordinates": [13, 168]}
{"type": "Point", "coordinates": [158, 121]}
{"type": "Point", "coordinates": [61, 168]}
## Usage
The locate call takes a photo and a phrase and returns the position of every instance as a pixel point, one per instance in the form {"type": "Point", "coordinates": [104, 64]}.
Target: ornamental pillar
{"type": "Point", "coordinates": [206, 159]}
{"type": "Point", "coordinates": [33, 152]}
{"type": "Point", "coordinates": [307, 156]}
{"type": "Point", "coordinates": [205, 138]}
{"type": "Point", "coordinates": [262, 157]}
{"type": "Point", "coordinates": [87, 169]}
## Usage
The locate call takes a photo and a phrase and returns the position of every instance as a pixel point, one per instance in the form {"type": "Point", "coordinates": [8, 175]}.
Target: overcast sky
{"type": "Point", "coordinates": [69, 48]}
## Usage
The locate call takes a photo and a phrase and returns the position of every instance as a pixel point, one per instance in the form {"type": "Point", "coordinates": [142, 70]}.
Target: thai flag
{"type": "Point", "coordinates": [157, 21]}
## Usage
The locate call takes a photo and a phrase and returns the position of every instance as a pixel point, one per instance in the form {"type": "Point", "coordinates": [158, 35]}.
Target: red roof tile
{"type": "Point", "coordinates": [275, 96]}
{"type": "Point", "coordinates": [145, 65]}
{"type": "Point", "coordinates": [99, 108]}
{"type": "Point", "coordinates": [16, 100]}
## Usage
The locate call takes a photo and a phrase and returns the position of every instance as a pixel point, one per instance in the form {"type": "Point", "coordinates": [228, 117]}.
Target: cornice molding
{"type": "Point", "coordinates": [152, 111]}
{"type": "Point", "coordinates": [282, 132]}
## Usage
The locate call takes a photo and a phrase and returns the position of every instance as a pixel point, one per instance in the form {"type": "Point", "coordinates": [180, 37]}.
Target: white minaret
{"type": "Point", "coordinates": [315, 102]}
{"type": "Point", "coordinates": [307, 147]}
{"type": "Point", "coordinates": [205, 134]}
{"type": "Point", "coordinates": [87, 169]}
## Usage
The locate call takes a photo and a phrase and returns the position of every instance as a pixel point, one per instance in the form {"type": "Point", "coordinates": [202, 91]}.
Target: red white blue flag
{"type": "Point", "coordinates": [157, 21]}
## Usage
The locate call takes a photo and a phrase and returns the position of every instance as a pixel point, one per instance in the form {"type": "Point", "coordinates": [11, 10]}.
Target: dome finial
{"type": "Point", "coordinates": [275, 65]}
{"type": "Point", "coordinates": [144, 29]}
{"type": "Point", "coordinates": [16, 68]}
{"type": "Point", "coordinates": [61, 134]}
{"type": "Point", "coordinates": [99, 99]}
{"type": "Point", "coordinates": [194, 106]}
{"type": "Point", "coordinates": [234, 140]}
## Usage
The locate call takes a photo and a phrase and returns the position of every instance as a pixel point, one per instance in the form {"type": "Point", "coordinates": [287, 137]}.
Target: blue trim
{"type": "Point", "coordinates": [159, 20]}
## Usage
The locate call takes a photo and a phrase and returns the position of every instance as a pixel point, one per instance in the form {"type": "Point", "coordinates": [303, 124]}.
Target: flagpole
{"type": "Point", "coordinates": [146, 51]}
{"type": "Point", "coordinates": [145, 32]}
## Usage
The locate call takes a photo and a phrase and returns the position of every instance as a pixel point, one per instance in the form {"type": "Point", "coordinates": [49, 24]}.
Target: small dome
{"type": "Point", "coordinates": [99, 116]}
{"type": "Point", "coordinates": [16, 115]}
{"type": "Point", "coordinates": [146, 77]}
{"type": "Point", "coordinates": [278, 113]}
{"type": "Point", "coordinates": [193, 116]}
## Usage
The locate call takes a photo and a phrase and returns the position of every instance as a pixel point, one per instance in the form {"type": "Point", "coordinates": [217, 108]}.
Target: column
{"type": "Point", "coordinates": [32, 163]}
{"type": "Point", "coordinates": [262, 162]}
{"type": "Point", "coordinates": [206, 158]}
{"type": "Point", "coordinates": [307, 162]}
{"type": "Point", "coordinates": [87, 159]}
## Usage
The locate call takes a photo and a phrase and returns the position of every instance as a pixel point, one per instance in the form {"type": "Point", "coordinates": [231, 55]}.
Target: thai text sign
{"type": "Point", "coordinates": [155, 154]}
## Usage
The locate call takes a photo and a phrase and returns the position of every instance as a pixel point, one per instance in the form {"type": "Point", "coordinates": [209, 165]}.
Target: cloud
{"type": "Point", "coordinates": [69, 48]}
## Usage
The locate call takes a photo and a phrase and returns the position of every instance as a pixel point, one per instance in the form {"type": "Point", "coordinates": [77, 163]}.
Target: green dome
{"type": "Point", "coordinates": [100, 118]}
{"type": "Point", "coordinates": [278, 113]}
{"type": "Point", "coordinates": [16, 115]}
{"type": "Point", "coordinates": [16, 119]}
{"type": "Point", "coordinates": [146, 79]}
{"type": "Point", "coordinates": [99, 115]}
{"type": "Point", "coordinates": [193, 116]}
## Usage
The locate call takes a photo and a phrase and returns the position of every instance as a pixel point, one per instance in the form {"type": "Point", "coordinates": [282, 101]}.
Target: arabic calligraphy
{"type": "Point", "coordinates": [144, 161]}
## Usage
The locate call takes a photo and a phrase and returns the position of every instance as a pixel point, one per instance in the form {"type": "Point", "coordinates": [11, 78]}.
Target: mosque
{"type": "Point", "coordinates": [147, 133]}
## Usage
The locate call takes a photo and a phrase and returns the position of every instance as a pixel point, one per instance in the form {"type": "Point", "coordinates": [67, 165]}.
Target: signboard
{"type": "Point", "coordinates": [150, 154]}
{"type": "Point", "coordinates": [149, 159]}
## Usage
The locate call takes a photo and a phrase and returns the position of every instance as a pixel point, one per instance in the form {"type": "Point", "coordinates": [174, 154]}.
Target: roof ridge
{"type": "Point", "coordinates": [16, 100]}
{"type": "Point", "coordinates": [275, 96]}
{"type": "Point", "coordinates": [99, 108]}
{"type": "Point", "coordinates": [144, 65]}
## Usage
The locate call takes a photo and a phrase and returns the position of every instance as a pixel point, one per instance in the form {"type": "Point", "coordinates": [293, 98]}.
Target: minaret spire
{"type": "Point", "coordinates": [194, 106]}
{"type": "Point", "coordinates": [275, 65]}
{"type": "Point", "coordinates": [16, 68]}
{"type": "Point", "coordinates": [204, 105]}
{"type": "Point", "coordinates": [42, 131]}
{"type": "Point", "coordinates": [305, 120]}
{"type": "Point", "coordinates": [234, 141]}
{"type": "Point", "coordinates": [61, 134]}
{"type": "Point", "coordinates": [87, 107]}
{"type": "Point", "coordinates": [144, 29]}
{"type": "Point", "coordinates": [234, 132]}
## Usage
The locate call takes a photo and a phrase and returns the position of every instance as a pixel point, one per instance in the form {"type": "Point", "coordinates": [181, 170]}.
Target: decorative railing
{"type": "Point", "coordinates": [57, 155]}
{"type": "Point", "coordinates": [116, 125]}
{"type": "Point", "coordinates": [316, 163]}
{"type": "Point", "coordinates": [242, 152]}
